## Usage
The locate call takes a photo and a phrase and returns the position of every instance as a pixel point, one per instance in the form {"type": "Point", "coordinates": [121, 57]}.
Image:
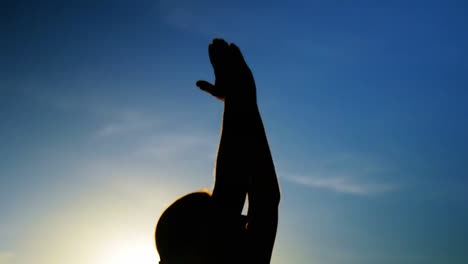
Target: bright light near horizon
{"type": "Point", "coordinates": [109, 222]}
{"type": "Point", "coordinates": [129, 252]}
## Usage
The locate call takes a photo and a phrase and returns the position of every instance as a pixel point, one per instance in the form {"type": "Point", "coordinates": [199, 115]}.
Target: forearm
{"type": "Point", "coordinates": [232, 163]}
{"type": "Point", "coordinates": [263, 193]}
{"type": "Point", "coordinates": [251, 154]}
{"type": "Point", "coordinates": [263, 189]}
{"type": "Point", "coordinates": [244, 161]}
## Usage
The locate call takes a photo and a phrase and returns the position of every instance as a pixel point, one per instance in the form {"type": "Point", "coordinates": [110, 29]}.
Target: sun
{"type": "Point", "coordinates": [129, 252]}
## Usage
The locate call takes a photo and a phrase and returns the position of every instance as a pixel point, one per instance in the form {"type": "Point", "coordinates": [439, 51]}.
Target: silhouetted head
{"type": "Point", "coordinates": [185, 231]}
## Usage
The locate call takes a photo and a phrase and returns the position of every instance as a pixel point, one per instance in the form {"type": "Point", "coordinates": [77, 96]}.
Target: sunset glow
{"type": "Point", "coordinates": [364, 104]}
{"type": "Point", "coordinates": [126, 251]}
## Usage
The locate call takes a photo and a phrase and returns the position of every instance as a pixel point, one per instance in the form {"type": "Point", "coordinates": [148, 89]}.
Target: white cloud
{"type": "Point", "coordinates": [346, 185]}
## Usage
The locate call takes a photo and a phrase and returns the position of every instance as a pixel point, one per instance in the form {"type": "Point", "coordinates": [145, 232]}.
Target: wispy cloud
{"type": "Point", "coordinates": [159, 138]}
{"type": "Point", "coordinates": [174, 146]}
{"type": "Point", "coordinates": [348, 173]}
{"type": "Point", "coordinates": [6, 257]}
{"type": "Point", "coordinates": [125, 122]}
{"type": "Point", "coordinates": [346, 185]}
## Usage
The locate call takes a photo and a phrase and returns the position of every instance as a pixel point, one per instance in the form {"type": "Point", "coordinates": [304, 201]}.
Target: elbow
{"type": "Point", "coordinates": [277, 197]}
{"type": "Point", "coordinates": [272, 199]}
{"type": "Point", "coordinates": [276, 193]}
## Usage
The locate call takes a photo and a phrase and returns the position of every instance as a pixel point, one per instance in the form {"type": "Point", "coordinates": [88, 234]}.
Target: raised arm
{"type": "Point", "coordinates": [244, 163]}
{"type": "Point", "coordinates": [231, 177]}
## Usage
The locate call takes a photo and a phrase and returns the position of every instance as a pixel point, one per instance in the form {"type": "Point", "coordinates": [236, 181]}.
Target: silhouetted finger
{"type": "Point", "coordinates": [215, 55]}
{"type": "Point", "coordinates": [222, 48]}
{"type": "Point", "coordinates": [211, 53]}
{"type": "Point", "coordinates": [219, 53]}
{"type": "Point", "coordinates": [237, 54]}
{"type": "Point", "coordinates": [220, 42]}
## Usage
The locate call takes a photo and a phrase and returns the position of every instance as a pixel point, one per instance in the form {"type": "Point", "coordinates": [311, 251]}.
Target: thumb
{"type": "Point", "coordinates": [211, 89]}
{"type": "Point", "coordinates": [206, 86]}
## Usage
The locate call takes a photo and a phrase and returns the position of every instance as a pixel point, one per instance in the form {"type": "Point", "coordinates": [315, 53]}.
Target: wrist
{"type": "Point", "coordinates": [240, 106]}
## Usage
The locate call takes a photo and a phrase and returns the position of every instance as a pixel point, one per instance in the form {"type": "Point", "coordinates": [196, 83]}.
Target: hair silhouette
{"type": "Point", "coordinates": [183, 226]}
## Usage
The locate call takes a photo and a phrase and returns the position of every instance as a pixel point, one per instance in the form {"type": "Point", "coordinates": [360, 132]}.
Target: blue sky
{"type": "Point", "coordinates": [364, 103]}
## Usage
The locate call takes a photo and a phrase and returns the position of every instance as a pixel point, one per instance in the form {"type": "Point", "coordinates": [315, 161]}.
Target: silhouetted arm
{"type": "Point", "coordinates": [263, 193]}
{"type": "Point", "coordinates": [231, 174]}
{"type": "Point", "coordinates": [244, 162]}
{"type": "Point", "coordinates": [231, 179]}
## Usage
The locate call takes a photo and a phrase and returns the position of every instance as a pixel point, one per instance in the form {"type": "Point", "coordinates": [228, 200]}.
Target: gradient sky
{"type": "Point", "coordinates": [364, 102]}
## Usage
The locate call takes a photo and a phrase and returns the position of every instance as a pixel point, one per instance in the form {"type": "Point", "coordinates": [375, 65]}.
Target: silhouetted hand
{"type": "Point", "coordinates": [234, 81]}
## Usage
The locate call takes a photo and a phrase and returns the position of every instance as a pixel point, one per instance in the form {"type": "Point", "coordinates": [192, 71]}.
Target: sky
{"type": "Point", "coordinates": [364, 104]}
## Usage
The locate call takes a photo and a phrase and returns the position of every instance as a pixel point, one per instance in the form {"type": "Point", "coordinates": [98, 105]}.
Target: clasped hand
{"type": "Point", "coordinates": [234, 82]}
